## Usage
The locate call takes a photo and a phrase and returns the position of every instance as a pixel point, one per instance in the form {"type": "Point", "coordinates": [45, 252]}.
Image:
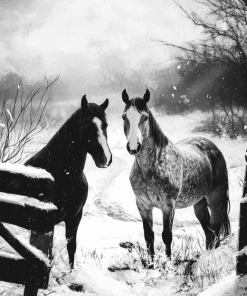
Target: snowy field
{"type": "Point", "coordinates": [111, 218]}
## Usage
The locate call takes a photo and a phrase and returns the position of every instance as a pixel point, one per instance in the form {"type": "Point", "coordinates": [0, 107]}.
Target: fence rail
{"type": "Point", "coordinates": [31, 267]}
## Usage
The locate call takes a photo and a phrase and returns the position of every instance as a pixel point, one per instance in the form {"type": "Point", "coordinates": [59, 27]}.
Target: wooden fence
{"type": "Point", "coordinates": [31, 267]}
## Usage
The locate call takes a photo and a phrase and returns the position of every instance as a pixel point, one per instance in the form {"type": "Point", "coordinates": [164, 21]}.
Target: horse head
{"type": "Point", "coordinates": [95, 136]}
{"type": "Point", "coordinates": [135, 117]}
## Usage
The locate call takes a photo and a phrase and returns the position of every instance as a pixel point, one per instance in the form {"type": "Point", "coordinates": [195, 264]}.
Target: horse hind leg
{"type": "Point", "coordinates": [202, 214]}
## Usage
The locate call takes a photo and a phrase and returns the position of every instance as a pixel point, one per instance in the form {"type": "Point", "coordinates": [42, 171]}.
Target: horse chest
{"type": "Point", "coordinates": [152, 189]}
{"type": "Point", "coordinates": [70, 193]}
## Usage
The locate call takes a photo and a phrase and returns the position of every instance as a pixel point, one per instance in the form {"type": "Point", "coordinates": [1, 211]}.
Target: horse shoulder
{"type": "Point", "coordinates": [168, 167]}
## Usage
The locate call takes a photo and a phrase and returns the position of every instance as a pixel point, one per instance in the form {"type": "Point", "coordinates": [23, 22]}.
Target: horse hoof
{"type": "Point", "coordinates": [150, 265]}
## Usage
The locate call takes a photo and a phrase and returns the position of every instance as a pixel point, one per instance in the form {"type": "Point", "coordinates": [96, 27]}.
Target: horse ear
{"type": "Point", "coordinates": [84, 104]}
{"type": "Point", "coordinates": [146, 96]}
{"type": "Point", "coordinates": [105, 104]}
{"type": "Point", "coordinates": [125, 96]}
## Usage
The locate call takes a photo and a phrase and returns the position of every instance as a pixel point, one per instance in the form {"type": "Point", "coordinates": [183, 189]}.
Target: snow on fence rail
{"type": "Point", "coordinates": [241, 266]}
{"type": "Point", "coordinates": [18, 206]}
{"type": "Point", "coordinates": [28, 171]}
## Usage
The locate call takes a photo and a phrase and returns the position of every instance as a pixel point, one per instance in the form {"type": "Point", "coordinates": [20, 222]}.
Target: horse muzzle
{"type": "Point", "coordinates": [134, 151]}
{"type": "Point", "coordinates": [103, 163]}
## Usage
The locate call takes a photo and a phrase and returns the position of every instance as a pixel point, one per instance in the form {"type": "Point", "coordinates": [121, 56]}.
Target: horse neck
{"type": "Point", "coordinates": [155, 146]}
{"type": "Point", "coordinates": [65, 153]}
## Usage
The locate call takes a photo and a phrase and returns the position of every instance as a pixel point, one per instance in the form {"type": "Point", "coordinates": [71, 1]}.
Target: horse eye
{"type": "Point", "coordinates": [145, 118]}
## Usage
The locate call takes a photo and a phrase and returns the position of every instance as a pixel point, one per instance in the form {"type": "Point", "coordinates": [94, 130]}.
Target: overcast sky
{"type": "Point", "coordinates": [83, 37]}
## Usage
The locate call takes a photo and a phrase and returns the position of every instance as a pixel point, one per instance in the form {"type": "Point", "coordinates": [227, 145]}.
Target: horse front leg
{"type": "Point", "coordinates": [147, 219]}
{"type": "Point", "coordinates": [71, 227]}
{"type": "Point", "coordinates": [168, 216]}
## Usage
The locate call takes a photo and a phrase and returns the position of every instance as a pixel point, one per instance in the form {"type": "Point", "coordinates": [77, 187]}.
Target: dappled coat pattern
{"type": "Point", "coordinates": [167, 176]}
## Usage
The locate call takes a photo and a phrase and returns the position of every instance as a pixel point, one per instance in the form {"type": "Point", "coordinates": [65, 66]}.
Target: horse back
{"type": "Point", "coordinates": [206, 153]}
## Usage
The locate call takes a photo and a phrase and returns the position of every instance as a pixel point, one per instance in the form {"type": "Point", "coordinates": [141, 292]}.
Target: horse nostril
{"type": "Point", "coordinates": [110, 161]}
{"type": "Point", "coordinates": [134, 151]}
{"type": "Point", "coordinates": [138, 147]}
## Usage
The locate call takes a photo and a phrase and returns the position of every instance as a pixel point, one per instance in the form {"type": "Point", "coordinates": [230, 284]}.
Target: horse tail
{"type": "Point", "coordinates": [225, 224]}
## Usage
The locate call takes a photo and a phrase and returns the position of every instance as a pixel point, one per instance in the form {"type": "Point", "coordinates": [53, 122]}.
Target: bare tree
{"type": "Point", "coordinates": [215, 66]}
{"type": "Point", "coordinates": [21, 120]}
{"type": "Point", "coordinates": [225, 29]}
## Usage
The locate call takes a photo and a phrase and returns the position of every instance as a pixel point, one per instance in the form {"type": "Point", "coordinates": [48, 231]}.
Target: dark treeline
{"type": "Point", "coordinates": [191, 84]}
{"type": "Point", "coordinates": [212, 72]}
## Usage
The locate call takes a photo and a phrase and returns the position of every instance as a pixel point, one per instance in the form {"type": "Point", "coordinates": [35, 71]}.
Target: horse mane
{"type": "Point", "coordinates": [155, 131]}
{"type": "Point", "coordinates": [94, 111]}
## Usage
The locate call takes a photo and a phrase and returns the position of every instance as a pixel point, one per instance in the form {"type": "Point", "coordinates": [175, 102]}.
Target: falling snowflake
{"type": "Point", "coordinates": [173, 95]}
{"type": "Point", "coordinates": [2, 125]}
{"type": "Point", "coordinates": [245, 127]}
{"type": "Point", "coordinates": [179, 66]}
{"type": "Point", "coordinates": [174, 87]}
{"type": "Point", "coordinates": [18, 86]}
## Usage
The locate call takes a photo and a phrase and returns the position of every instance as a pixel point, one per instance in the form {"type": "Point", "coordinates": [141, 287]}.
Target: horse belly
{"type": "Point", "coordinates": [193, 190]}
{"type": "Point", "coordinates": [185, 200]}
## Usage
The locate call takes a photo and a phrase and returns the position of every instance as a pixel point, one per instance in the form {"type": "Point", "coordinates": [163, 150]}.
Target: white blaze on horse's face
{"type": "Point", "coordinates": [135, 129]}
{"type": "Point", "coordinates": [103, 141]}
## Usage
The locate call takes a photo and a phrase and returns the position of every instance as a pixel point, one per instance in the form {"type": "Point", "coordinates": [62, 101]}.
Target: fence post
{"type": "Point", "coordinates": [43, 242]}
{"type": "Point", "coordinates": [241, 266]}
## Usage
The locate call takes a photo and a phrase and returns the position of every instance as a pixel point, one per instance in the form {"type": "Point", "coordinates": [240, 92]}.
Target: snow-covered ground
{"type": "Point", "coordinates": [110, 217]}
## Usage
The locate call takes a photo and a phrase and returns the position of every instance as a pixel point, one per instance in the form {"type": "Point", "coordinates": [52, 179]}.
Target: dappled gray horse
{"type": "Point", "coordinates": [166, 176]}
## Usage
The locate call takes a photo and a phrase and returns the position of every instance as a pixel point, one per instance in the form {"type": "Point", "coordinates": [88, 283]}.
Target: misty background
{"type": "Point", "coordinates": [88, 44]}
{"type": "Point", "coordinates": [190, 55]}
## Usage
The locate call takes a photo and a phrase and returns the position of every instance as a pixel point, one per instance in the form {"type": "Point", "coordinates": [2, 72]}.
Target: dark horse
{"type": "Point", "coordinates": [168, 176]}
{"type": "Point", "coordinates": [64, 158]}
